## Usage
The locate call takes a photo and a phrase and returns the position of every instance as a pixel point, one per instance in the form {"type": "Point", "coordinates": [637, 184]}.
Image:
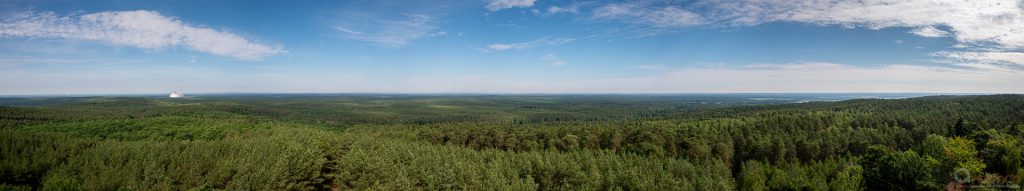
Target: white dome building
{"type": "Point", "coordinates": [176, 94]}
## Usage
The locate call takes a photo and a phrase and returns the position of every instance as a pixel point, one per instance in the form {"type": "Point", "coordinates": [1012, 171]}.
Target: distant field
{"type": "Point", "coordinates": [511, 142]}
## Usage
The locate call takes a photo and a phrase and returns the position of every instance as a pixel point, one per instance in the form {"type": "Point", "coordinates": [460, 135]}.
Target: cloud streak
{"type": "Point", "coordinates": [553, 60]}
{"type": "Point", "coordinates": [527, 44]}
{"type": "Point", "coordinates": [567, 9]}
{"type": "Point", "coordinates": [807, 77]}
{"type": "Point", "coordinates": [985, 60]}
{"type": "Point", "coordinates": [141, 28]}
{"type": "Point", "coordinates": [388, 32]}
{"type": "Point", "coordinates": [660, 17]}
{"type": "Point", "coordinates": [825, 77]}
{"type": "Point", "coordinates": [930, 31]}
{"type": "Point", "coordinates": [984, 23]}
{"type": "Point", "coordinates": [992, 31]}
{"type": "Point", "coordinates": [998, 23]}
{"type": "Point", "coordinates": [496, 5]}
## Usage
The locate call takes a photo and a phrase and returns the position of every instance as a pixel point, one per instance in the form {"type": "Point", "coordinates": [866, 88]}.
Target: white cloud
{"type": "Point", "coordinates": [496, 5]}
{"type": "Point", "coordinates": [567, 9]}
{"type": "Point", "coordinates": [436, 34]}
{"type": "Point", "coordinates": [672, 17]}
{"type": "Point", "coordinates": [976, 22]}
{"type": "Point", "coordinates": [664, 17]}
{"type": "Point", "coordinates": [650, 67]}
{"type": "Point", "coordinates": [528, 44]}
{"type": "Point", "coordinates": [143, 29]}
{"type": "Point", "coordinates": [993, 28]}
{"type": "Point", "coordinates": [989, 57]}
{"type": "Point", "coordinates": [500, 47]}
{"type": "Point", "coordinates": [929, 31]}
{"type": "Point", "coordinates": [511, 26]}
{"type": "Point", "coordinates": [388, 32]}
{"type": "Point", "coordinates": [553, 60]}
{"type": "Point", "coordinates": [985, 60]}
{"type": "Point", "coordinates": [615, 11]}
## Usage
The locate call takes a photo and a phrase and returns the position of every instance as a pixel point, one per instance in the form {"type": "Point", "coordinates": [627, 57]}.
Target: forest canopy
{"type": "Point", "coordinates": [510, 142]}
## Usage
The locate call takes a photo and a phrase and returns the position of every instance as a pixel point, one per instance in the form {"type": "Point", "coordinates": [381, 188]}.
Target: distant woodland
{"type": "Point", "coordinates": [528, 142]}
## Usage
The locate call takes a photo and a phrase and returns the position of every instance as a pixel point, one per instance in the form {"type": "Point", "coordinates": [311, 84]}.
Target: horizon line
{"type": "Point", "coordinates": [487, 93]}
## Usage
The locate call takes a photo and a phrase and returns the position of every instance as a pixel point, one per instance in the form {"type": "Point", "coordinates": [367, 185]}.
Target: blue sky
{"type": "Point", "coordinates": [511, 46]}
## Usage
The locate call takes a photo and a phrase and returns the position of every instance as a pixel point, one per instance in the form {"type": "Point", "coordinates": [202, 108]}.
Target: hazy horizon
{"type": "Point", "coordinates": [509, 93]}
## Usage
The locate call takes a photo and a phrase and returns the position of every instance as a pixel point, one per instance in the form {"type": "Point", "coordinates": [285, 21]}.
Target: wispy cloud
{"type": "Point", "coordinates": [992, 29]}
{"type": "Point", "coordinates": [615, 11]}
{"type": "Point", "coordinates": [981, 22]}
{"type": "Point", "coordinates": [650, 67]}
{"type": "Point", "coordinates": [564, 9]}
{"type": "Point", "coordinates": [638, 13]}
{"type": "Point", "coordinates": [551, 10]}
{"type": "Point", "coordinates": [672, 17]}
{"type": "Point", "coordinates": [527, 44]}
{"type": "Point", "coordinates": [496, 5]}
{"type": "Point", "coordinates": [388, 32]}
{"type": "Point", "coordinates": [511, 26]}
{"type": "Point", "coordinates": [985, 59]}
{"type": "Point", "coordinates": [929, 31]}
{"type": "Point", "coordinates": [553, 60]}
{"type": "Point", "coordinates": [142, 29]}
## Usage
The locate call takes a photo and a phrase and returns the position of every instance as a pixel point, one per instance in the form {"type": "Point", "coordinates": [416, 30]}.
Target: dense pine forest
{"type": "Point", "coordinates": [511, 142]}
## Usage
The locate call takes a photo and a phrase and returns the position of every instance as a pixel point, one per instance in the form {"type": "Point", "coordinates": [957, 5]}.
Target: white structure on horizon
{"type": "Point", "coordinates": [177, 94]}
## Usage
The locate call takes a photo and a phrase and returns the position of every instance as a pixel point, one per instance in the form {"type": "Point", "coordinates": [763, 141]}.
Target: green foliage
{"type": "Point", "coordinates": [6, 187]}
{"type": "Point", "coordinates": [962, 155]}
{"type": "Point", "coordinates": [410, 142]}
{"type": "Point", "coordinates": [753, 176]}
{"type": "Point", "coordinates": [832, 174]}
{"type": "Point", "coordinates": [370, 165]}
{"type": "Point", "coordinates": [1003, 154]}
{"type": "Point", "coordinates": [262, 159]}
{"type": "Point", "coordinates": [885, 169]}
